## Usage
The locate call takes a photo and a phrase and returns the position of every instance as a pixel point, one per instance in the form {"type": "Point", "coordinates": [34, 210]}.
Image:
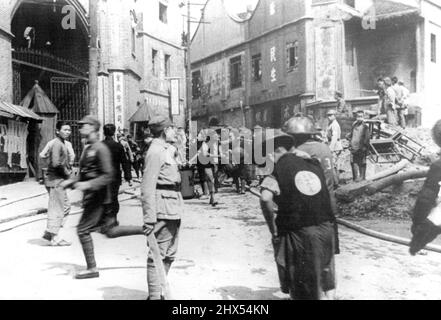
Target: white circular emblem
{"type": "Point", "coordinates": [308, 183]}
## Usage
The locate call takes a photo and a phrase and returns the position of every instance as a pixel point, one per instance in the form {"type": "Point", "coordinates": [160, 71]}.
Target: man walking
{"type": "Point", "coordinates": [303, 232]}
{"type": "Point", "coordinates": [95, 175]}
{"type": "Point", "coordinates": [333, 134]}
{"type": "Point", "coordinates": [110, 223]}
{"type": "Point", "coordinates": [161, 201]}
{"type": "Point", "coordinates": [59, 170]}
{"type": "Point", "coordinates": [137, 156]}
{"type": "Point", "coordinates": [359, 147]}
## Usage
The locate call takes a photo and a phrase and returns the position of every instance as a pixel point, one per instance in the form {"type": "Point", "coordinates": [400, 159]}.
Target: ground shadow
{"type": "Point", "coordinates": [39, 242]}
{"type": "Point", "coordinates": [244, 293]}
{"type": "Point", "coordinates": [68, 268]}
{"type": "Point", "coordinates": [120, 293]}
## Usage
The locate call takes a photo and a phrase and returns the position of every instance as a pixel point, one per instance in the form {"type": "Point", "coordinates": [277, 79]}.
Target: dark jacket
{"type": "Point", "coordinates": [426, 200]}
{"type": "Point", "coordinates": [304, 197]}
{"type": "Point", "coordinates": [119, 159]}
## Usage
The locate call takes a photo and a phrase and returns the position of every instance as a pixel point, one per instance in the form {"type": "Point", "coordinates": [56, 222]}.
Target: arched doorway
{"type": "Point", "coordinates": [53, 50]}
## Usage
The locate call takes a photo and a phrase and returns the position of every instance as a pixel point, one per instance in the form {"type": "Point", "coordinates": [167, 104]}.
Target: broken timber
{"type": "Point", "coordinates": [395, 179]}
{"type": "Point", "coordinates": [349, 192]}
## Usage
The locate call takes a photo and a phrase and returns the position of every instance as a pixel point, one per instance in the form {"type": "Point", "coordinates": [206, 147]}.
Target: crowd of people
{"type": "Point", "coordinates": [302, 188]}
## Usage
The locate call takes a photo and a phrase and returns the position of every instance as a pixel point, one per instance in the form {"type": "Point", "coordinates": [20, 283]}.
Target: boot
{"type": "Point", "coordinates": [355, 169]}
{"type": "Point", "coordinates": [213, 202]}
{"type": "Point", "coordinates": [363, 172]}
{"type": "Point", "coordinates": [243, 186]}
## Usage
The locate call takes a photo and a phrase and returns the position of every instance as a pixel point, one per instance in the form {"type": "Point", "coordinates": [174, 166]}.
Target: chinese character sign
{"type": "Point", "coordinates": [273, 59]}
{"type": "Point", "coordinates": [118, 100]}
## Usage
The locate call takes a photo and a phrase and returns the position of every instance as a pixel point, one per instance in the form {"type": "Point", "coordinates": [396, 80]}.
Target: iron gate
{"type": "Point", "coordinates": [70, 96]}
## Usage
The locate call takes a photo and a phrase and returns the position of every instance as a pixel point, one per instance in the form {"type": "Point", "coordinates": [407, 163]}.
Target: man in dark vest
{"type": "Point", "coordinates": [303, 233]}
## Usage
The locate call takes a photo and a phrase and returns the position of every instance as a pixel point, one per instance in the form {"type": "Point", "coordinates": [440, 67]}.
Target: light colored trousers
{"type": "Point", "coordinates": [58, 209]}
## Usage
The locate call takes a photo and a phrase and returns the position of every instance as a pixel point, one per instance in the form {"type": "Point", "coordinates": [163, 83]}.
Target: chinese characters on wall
{"type": "Point", "coordinates": [118, 96]}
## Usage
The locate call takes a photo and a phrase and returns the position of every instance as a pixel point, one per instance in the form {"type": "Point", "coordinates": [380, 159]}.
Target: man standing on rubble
{"type": "Point", "coordinates": [303, 232]}
{"type": "Point", "coordinates": [390, 102]}
{"type": "Point", "coordinates": [162, 201]}
{"type": "Point", "coordinates": [399, 101]}
{"type": "Point", "coordinates": [333, 135]}
{"type": "Point", "coordinates": [359, 147]}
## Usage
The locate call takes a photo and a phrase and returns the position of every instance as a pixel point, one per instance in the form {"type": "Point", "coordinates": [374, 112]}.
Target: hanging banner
{"type": "Point", "coordinates": [174, 96]}
{"type": "Point", "coordinates": [118, 100]}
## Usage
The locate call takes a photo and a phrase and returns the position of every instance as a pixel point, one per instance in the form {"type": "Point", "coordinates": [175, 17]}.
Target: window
{"type": "Point", "coordinates": [413, 81]}
{"type": "Point", "coordinates": [433, 48]}
{"type": "Point", "coordinates": [292, 55]}
{"type": "Point", "coordinates": [162, 12]}
{"type": "Point", "coordinates": [167, 65]}
{"type": "Point", "coordinates": [196, 84]}
{"type": "Point", "coordinates": [236, 72]}
{"type": "Point", "coordinates": [350, 52]}
{"type": "Point", "coordinates": [256, 66]}
{"type": "Point", "coordinates": [134, 22]}
{"type": "Point", "coordinates": [350, 3]}
{"type": "Point", "coordinates": [133, 40]}
{"type": "Point", "coordinates": [154, 62]}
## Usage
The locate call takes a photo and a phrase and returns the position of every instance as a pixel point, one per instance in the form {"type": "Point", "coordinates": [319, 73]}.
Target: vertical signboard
{"type": "Point", "coordinates": [174, 96]}
{"type": "Point", "coordinates": [118, 100]}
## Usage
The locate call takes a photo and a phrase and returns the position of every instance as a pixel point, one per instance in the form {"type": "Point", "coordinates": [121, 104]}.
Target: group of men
{"type": "Point", "coordinates": [358, 137]}
{"type": "Point", "coordinates": [394, 100]}
{"type": "Point", "coordinates": [100, 177]}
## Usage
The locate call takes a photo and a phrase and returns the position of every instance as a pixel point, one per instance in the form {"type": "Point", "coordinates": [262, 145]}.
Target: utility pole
{"type": "Point", "coordinates": [189, 84]}
{"type": "Point", "coordinates": [93, 57]}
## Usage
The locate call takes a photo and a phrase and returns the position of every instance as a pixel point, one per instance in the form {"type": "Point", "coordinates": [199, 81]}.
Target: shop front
{"type": "Point", "coordinates": [15, 122]}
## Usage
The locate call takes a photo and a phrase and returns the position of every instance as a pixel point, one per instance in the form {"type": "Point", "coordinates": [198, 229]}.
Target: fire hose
{"type": "Point", "coordinates": [372, 233]}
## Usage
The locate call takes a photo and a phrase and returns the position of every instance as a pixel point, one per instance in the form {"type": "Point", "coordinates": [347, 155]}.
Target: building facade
{"type": "Point", "coordinates": [291, 56]}
{"type": "Point", "coordinates": [48, 42]}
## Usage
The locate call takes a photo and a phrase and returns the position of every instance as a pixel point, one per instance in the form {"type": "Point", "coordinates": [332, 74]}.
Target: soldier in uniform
{"type": "Point", "coordinates": [95, 175]}
{"type": "Point", "coordinates": [304, 231]}
{"type": "Point", "coordinates": [161, 200]}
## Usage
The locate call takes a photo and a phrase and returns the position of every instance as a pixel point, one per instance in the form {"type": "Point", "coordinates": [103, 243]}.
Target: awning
{"type": "Point", "coordinates": [38, 101]}
{"type": "Point", "coordinates": [143, 114]}
{"type": "Point", "coordinates": [10, 110]}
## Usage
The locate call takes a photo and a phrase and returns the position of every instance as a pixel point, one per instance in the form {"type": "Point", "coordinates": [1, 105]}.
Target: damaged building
{"type": "Point", "coordinates": [282, 57]}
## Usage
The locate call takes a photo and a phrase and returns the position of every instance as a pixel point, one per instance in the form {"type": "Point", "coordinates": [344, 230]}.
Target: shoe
{"type": "Point", "coordinates": [60, 243]}
{"type": "Point", "coordinates": [48, 236]}
{"type": "Point", "coordinates": [204, 197]}
{"type": "Point", "coordinates": [87, 274]}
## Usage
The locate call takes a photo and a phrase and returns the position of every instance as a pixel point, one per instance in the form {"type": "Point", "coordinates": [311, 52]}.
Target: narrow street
{"type": "Point", "coordinates": [224, 253]}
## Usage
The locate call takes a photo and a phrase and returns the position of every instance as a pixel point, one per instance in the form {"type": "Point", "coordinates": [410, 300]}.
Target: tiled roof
{"type": "Point", "coordinates": [388, 9]}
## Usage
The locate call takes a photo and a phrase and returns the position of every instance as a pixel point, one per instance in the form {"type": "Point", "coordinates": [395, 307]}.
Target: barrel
{"type": "Point", "coordinates": [187, 183]}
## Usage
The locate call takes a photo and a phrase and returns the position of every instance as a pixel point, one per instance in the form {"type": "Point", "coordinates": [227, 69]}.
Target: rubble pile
{"type": "Point", "coordinates": [394, 202]}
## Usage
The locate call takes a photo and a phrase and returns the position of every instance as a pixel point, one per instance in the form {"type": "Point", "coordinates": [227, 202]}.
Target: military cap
{"type": "Point", "coordinates": [300, 125]}
{"type": "Point", "coordinates": [159, 123]}
{"type": "Point", "coordinates": [89, 119]}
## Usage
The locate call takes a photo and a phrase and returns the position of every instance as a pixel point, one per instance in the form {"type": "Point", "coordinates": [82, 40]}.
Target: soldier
{"type": "Point", "coordinates": [59, 169]}
{"type": "Point", "coordinates": [303, 232]}
{"type": "Point", "coordinates": [161, 201]}
{"type": "Point", "coordinates": [95, 175]}
{"type": "Point", "coordinates": [110, 223]}
{"type": "Point", "coordinates": [333, 134]}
